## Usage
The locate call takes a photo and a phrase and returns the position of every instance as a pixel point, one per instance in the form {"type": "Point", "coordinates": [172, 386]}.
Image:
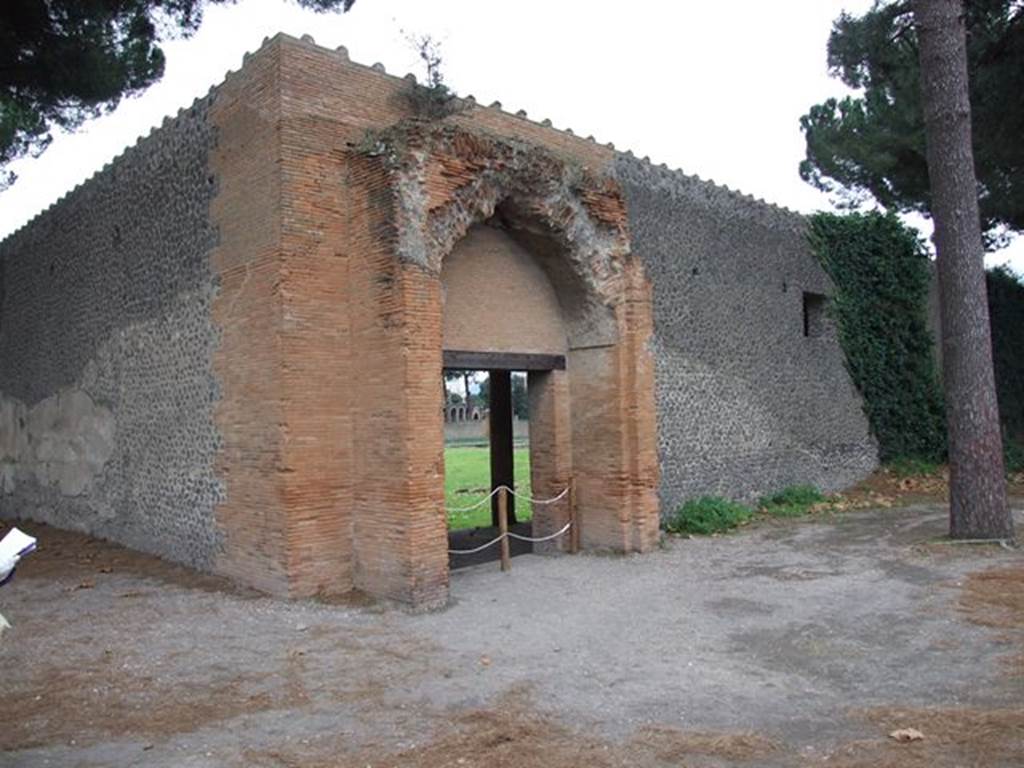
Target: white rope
{"type": "Point", "coordinates": [481, 548]}
{"type": "Point", "coordinates": [530, 499]}
{"type": "Point", "coordinates": [480, 503]}
{"type": "Point", "coordinates": [552, 500]}
{"type": "Point", "coordinates": [511, 535]}
{"type": "Point", "coordinates": [565, 528]}
{"type": "Point", "coordinates": [498, 538]}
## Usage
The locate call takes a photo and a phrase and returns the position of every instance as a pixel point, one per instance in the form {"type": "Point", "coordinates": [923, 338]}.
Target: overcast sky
{"type": "Point", "coordinates": [716, 89]}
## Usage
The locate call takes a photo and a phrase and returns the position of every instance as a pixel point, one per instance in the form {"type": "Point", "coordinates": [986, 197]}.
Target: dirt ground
{"type": "Point", "coordinates": [789, 643]}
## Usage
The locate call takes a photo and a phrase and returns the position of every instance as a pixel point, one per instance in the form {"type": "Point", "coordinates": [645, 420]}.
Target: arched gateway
{"type": "Point", "coordinates": [551, 240]}
{"type": "Point", "coordinates": [226, 347]}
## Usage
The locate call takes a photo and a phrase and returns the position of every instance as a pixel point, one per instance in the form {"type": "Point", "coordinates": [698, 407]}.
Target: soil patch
{"type": "Point", "coordinates": [92, 701]}
{"type": "Point", "coordinates": [512, 736]}
{"type": "Point", "coordinates": [78, 561]}
{"type": "Point", "coordinates": [993, 738]}
{"type": "Point", "coordinates": [995, 597]}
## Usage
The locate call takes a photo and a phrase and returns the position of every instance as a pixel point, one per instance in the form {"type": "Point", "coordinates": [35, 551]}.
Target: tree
{"type": "Point", "coordinates": [977, 485]}
{"type": "Point", "coordinates": [65, 61]}
{"type": "Point", "coordinates": [873, 144]}
{"type": "Point", "coordinates": [468, 377]}
{"type": "Point", "coordinates": [520, 400]}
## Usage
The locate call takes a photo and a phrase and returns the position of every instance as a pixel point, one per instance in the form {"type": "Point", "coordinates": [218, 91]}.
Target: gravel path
{"type": "Point", "coordinates": [765, 646]}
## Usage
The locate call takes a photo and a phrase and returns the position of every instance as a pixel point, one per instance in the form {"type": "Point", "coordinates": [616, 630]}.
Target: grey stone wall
{"type": "Point", "coordinates": [106, 386]}
{"type": "Point", "coordinates": [746, 402]}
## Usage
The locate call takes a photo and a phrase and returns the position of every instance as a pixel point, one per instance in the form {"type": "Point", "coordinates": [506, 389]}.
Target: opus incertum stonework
{"type": "Point", "coordinates": [225, 348]}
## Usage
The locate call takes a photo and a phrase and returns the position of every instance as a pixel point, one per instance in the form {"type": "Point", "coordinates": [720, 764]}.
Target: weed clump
{"type": "Point", "coordinates": [794, 501]}
{"type": "Point", "coordinates": [707, 515]}
{"type": "Point", "coordinates": [433, 100]}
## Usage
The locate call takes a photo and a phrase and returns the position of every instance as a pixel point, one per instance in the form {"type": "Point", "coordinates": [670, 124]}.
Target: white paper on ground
{"type": "Point", "coordinates": [16, 544]}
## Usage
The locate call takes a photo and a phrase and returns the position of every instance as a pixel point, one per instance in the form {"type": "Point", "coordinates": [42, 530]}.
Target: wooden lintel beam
{"type": "Point", "coordinates": [502, 361]}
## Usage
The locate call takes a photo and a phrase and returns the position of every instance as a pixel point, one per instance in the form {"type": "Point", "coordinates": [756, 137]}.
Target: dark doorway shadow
{"type": "Point", "coordinates": [470, 538]}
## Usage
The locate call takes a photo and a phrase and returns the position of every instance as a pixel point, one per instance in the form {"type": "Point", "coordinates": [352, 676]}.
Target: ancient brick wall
{"type": "Point", "coordinates": [141, 333]}
{"type": "Point", "coordinates": [226, 347]}
{"type": "Point", "coordinates": [747, 403]}
{"type": "Point", "coordinates": [249, 313]}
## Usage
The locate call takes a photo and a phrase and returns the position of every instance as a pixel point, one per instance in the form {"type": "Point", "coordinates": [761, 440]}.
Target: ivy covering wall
{"type": "Point", "coordinates": [1006, 310]}
{"type": "Point", "coordinates": [881, 274]}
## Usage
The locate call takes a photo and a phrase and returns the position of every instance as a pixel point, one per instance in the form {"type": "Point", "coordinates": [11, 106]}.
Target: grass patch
{"type": "Point", "coordinates": [709, 514]}
{"type": "Point", "coordinates": [467, 479]}
{"type": "Point", "coordinates": [794, 501]}
{"type": "Point", "coordinates": [714, 514]}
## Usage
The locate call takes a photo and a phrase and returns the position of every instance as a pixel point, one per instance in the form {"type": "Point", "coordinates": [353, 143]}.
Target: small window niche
{"type": "Point", "coordinates": [814, 315]}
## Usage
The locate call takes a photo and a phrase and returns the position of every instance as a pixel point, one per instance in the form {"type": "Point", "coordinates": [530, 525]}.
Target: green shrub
{"type": "Point", "coordinates": [1006, 308]}
{"type": "Point", "coordinates": [793, 501]}
{"type": "Point", "coordinates": [1013, 456]}
{"type": "Point", "coordinates": [909, 466]}
{"type": "Point", "coordinates": [709, 514]}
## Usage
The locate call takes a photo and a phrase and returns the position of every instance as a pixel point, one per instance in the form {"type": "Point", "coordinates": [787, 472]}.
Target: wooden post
{"type": "Point", "coordinates": [574, 518]}
{"type": "Point", "coordinates": [506, 555]}
{"type": "Point", "coordinates": [502, 453]}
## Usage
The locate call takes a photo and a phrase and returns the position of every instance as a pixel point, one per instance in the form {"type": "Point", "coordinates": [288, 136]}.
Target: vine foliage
{"type": "Point", "coordinates": [1006, 310]}
{"type": "Point", "coordinates": [881, 275]}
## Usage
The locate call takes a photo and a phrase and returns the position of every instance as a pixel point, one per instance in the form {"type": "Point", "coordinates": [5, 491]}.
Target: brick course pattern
{"type": "Point", "coordinates": [246, 309]}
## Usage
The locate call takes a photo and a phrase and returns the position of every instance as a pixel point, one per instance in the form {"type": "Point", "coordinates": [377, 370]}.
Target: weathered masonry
{"type": "Point", "coordinates": [225, 348]}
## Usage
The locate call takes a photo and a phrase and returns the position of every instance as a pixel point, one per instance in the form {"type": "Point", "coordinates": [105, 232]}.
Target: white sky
{"type": "Point", "coordinates": [716, 89]}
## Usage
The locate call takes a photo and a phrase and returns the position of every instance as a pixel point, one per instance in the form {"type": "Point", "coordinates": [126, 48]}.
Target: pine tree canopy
{"type": "Point", "coordinates": [872, 144]}
{"type": "Point", "coordinates": [65, 61]}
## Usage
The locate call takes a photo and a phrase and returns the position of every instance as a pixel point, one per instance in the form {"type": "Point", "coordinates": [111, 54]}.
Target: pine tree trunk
{"type": "Point", "coordinates": [977, 484]}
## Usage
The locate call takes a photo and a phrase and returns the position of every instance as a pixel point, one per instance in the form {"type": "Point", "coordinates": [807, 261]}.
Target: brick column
{"type": "Point", "coordinates": [399, 532]}
{"type": "Point", "coordinates": [550, 452]}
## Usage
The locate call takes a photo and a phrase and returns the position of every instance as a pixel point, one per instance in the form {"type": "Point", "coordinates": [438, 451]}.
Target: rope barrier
{"type": "Point", "coordinates": [490, 495]}
{"type": "Point", "coordinates": [509, 534]}
{"type": "Point", "coordinates": [552, 500]}
{"type": "Point", "coordinates": [480, 503]}
{"type": "Point", "coordinates": [481, 548]}
{"type": "Point", "coordinates": [565, 528]}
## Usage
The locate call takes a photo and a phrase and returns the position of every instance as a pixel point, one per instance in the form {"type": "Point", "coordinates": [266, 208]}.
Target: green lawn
{"type": "Point", "coordinates": [467, 479]}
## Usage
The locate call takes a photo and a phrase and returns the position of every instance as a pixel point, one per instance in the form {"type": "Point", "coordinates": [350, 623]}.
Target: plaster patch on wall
{"type": "Point", "coordinates": [63, 442]}
{"type": "Point", "coordinates": [107, 299]}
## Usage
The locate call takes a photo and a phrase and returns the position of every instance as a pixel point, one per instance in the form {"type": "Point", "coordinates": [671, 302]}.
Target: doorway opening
{"type": "Point", "coordinates": [487, 447]}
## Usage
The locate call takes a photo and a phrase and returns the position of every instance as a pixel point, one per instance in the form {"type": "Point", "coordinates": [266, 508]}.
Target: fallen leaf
{"type": "Point", "coordinates": [86, 584]}
{"type": "Point", "coordinates": [485, 661]}
{"type": "Point", "coordinates": [907, 734]}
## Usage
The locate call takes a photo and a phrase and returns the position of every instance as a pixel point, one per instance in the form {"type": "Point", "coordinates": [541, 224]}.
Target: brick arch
{"type": "Point", "coordinates": [573, 220]}
{"type": "Point", "coordinates": [426, 185]}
